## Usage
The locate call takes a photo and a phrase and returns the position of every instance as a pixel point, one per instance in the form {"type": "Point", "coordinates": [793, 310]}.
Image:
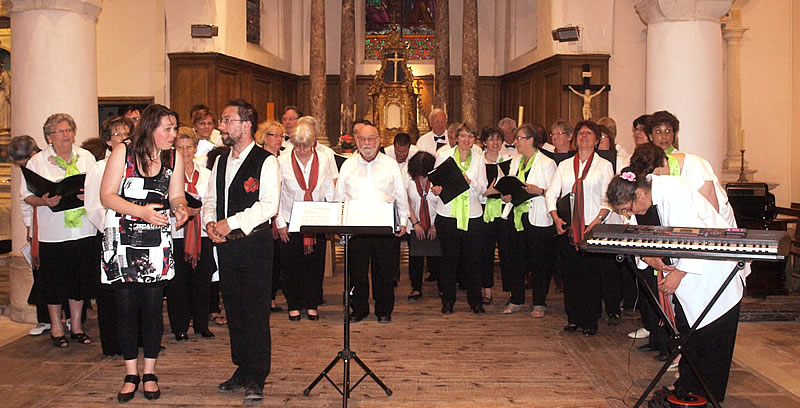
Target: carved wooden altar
{"type": "Point", "coordinates": [393, 100]}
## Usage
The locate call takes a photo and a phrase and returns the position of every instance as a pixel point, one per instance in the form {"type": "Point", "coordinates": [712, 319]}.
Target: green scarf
{"type": "Point", "coordinates": [674, 165]}
{"type": "Point", "coordinates": [72, 218]}
{"type": "Point", "coordinates": [494, 206]}
{"type": "Point", "coordinates": [460, 205]}
{"type": "Point", "coordinates": [524, 207]}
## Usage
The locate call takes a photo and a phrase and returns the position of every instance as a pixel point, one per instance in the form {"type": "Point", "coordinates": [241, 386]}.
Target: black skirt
{"type": "Point", "coordinates": [67, 270]}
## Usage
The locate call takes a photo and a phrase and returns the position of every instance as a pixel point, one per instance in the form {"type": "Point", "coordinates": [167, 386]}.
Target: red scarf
{"type": "Point", "coordinates": [424, 212]}
{"type": "Point", "coordinates": [663, 298]}
{"type": "Point", "coordinates": [191, 240]}
{"type": "Point", "coordinates": [308, 239]}
{"type": "Point", "coordinates": [577, 188]}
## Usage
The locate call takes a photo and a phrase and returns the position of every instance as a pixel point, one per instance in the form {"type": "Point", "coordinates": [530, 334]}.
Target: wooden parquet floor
{"type": "Point", "coordinates": [428, 360]}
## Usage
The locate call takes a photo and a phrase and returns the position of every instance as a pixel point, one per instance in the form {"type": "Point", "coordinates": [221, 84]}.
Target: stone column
{"type": "Point", "coordinates": [684, 70]}
{"type": "Point", "coordinates": [51, 75]}
{"type": "Point", "coordinates": [347, 70]}
{"type": "Point", "coordinates": [732, 32]}
{"type": "Point", "coordinates": [469, 65]}
{"type": "Point", "coordinates": [441, 55]}
{"type": "Point", "coordinates": [318, 69]}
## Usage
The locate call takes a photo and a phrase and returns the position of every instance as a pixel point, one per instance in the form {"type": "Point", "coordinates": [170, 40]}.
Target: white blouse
{"type": "Point", "coordinates": [415, 200]}
{"type": "Point", "coordinates": [476, 172]}
{"type": "Point", "coordinates": [680, 205]}
{"type": "Point", "coordinates": [378, 180]}
{"type": "Point", "coordinates": [594, 185]}
{"type": "Point", "coordinates": [540, 174]}
{"type": "Point", "coordinates": [202, 191]}
{"type": "Point", "coordinates": [51, 224]}
{"type": "Point", "coordinates": [290, 187]}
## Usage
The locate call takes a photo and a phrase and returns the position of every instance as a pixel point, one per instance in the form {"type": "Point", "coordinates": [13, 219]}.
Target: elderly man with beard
{"type": "Point", "coordinates": [373, 176]}
{"type": "Point", "coordinates": [243, 196]}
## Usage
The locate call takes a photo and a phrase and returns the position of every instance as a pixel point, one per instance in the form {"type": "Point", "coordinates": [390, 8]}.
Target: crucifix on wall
{"type": "Point", "coordinates": [587, 91]}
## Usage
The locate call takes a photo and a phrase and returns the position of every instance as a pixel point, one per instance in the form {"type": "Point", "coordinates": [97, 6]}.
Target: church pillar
{"type": "Point", "coordinates": [51, 74]}
{"type": "Point", "coordinates": [347, 71]}
{"type": "Point", "coordinates": [317, 69]}
{"type": "Point", "coordinates": [469, 65]}
{"type": "Point", "coordinates": [684, 70]}
{"type": "Point", "coordinates": [732, 32]}
{"type": "Point", "coordinates": [441, 55]}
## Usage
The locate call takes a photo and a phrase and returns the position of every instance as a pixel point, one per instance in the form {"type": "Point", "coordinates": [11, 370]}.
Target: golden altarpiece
{"type": "Point", "coordinates": [393, 98]}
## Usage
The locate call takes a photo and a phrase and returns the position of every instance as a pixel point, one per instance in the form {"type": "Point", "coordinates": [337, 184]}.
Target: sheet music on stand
{"type": "Point", "coordinates": [353, 217]}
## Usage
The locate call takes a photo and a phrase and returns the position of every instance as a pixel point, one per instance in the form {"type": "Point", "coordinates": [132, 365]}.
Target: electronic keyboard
{"type": "Point", "coordinates": [687, 242]}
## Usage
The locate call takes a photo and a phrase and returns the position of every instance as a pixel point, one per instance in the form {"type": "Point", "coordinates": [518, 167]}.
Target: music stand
{"type": "Point", "coordinates": [677, 338]}
{"type": "Point", "coordinates": [346, 354]}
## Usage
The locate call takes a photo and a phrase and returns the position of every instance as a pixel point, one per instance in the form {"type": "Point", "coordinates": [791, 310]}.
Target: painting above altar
{"type": "Point", "coordinates": [415, 18]}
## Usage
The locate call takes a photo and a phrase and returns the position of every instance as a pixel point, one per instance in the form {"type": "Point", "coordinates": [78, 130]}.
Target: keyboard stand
{"type": "Point", "coordinates": [678, 338]}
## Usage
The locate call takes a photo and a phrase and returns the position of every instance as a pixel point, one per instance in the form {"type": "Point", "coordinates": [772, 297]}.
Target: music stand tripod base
{"type": "Point", "coordinates": [346, 354]}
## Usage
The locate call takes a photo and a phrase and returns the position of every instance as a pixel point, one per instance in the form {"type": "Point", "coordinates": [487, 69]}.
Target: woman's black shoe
{"type": "Point", "coordinates": [571, 328]}
{"type": "Point", "coordinates": [206, 333]}
{"type": "Point", "coordinates": [661, 357]}
{"type": "Point", "coordinates": [295, 318]}
{"type": "Point", "coordinates": [478, 309]}
{"type": "Point", "coordinates": [181, 337]}
{"type": "Point", "coordinates": [589, 332]}
{"type": "Point", "coordinates": [447, 308]}
{"type": "Point", "coordinates": [127, 396]}
{"type": "Point", "coordinates": [312, 317]}
{"type": "Point", "coordinates": [151, 395]}
{"type": "Point", "coordinates": [415, 295]}
{"type": "Point", "coordinates": [275, 309]}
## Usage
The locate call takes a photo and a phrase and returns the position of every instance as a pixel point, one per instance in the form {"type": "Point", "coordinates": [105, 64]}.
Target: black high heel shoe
{"type": "Point", "coordinates": [151, 395]}
{"type": "Point", "coordinates": [571, 328]}
{"type": "Point", "coordinates": [312, 317]}
{"type": "Point", "coordinates": [127, 396]}
{"type": "Point", "coordinates": [296, 318]}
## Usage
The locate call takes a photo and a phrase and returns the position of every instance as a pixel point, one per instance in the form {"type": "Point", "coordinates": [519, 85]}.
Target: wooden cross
{"type": "Point", "coordinates": [394, 58]}
{"type": "Point", "coordinates": [585, 90]}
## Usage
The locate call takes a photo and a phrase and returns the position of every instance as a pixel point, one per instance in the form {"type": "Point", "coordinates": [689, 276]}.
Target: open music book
{"type": "Point", "coordinates": [68, 188]}
{"type": "Point", "coordinates": [360, 217]}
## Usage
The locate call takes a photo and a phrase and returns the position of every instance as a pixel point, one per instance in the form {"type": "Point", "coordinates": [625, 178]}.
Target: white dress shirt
{"type": "Point", "coordinates": [476, 172]}
{"type": "Point", "coordinates": [51, 224]}
{"type": "Point", "coordinates": [679, 204]}
{"type": "Point", "coordinates": [290, 187]}
{"type": "Point", "coordinates": [268, 194]}
{"type": "Point", "coordinates": [427, 142]}
{"type": "Point", "coordinates": [697, 171]}
{"type": "Point", "coordinates": [322, 150]}
{"type": "Point", "coordinates": [91, 195]}
{"type": "Point", "coordinates": [377, 180]}
{"type": "Point", "coordinates": [412, 150]}
{"type": "Point", "coordinates": [540, 174]}
{"type": "Point", "coordinates": [594, 185]}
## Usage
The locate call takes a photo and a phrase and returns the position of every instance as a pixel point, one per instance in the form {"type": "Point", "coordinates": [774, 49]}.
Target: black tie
{"type": "Point", "coordinates": [509, 146]}
{"type": "Point", "coordinates": [286, 137]}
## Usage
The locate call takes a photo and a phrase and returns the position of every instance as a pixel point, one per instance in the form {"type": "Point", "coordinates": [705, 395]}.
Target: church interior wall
{"type": "Point", "coordinates": [767, 89]}
{"type": "Point", "coordinates": [131, 49]}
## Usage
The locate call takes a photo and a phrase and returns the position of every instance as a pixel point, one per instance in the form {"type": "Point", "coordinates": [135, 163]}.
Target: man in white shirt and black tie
{"type": "Point", "coordinates": [289, 119]}
{"type": "Point", "coordinates": [243, 196]}
{"type": "Point", "coordinates": [373, 176]}
{"type": "Point", "coordinates": [437, 137]}
{"type": "Point", "coordinates": [508, 125]}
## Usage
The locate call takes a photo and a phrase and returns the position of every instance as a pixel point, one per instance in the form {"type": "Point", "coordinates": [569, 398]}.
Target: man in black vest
{"type": "Point", "coordinates": [243, 196]}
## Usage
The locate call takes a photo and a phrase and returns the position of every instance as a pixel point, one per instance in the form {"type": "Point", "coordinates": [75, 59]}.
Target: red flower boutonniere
{"type": "Point", "coordinates": [251, 185]}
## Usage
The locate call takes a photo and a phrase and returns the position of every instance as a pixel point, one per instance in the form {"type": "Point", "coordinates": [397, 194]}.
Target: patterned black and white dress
{"type": "Point", "coordinates": [135, 251]}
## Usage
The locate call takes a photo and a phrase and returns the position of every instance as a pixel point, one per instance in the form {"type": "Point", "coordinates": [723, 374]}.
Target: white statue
{"type": "Point", "coordinates": [587, 96]}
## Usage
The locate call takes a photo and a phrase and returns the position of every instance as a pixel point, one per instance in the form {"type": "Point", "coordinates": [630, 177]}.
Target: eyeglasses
{"type": "Point", "coordinates": [523, 137]}
{"type": "Point", "coordinates": [290, 119]}
{"type": "Point", "coordinates": [438, 121]}
{"type": "Point", "coordinates": [62, 132]}
{"type": "Point", "coordinates": [123, 134]}
{"type": "Point", "coordinates": [274, 134]}
{"type": "Point", "coordinates": [225, 121]}
{"type": "Point", "coordinates": [639, 128]}
{"type": "Point", "coordinates": [367, 139]}
{"type": "Point", "coordinates": [558, 134]}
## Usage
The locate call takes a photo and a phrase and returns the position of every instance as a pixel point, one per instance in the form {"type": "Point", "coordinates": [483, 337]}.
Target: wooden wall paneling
{"type": "Point", "coordinates": [260, 89]}
{"type": "Point", "coordinates": [551, 95]}
{"type": "Point", "coordinates": [228, 87]}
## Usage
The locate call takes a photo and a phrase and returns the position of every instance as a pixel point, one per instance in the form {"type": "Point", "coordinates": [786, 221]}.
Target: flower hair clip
{"type": "Point", "coordinates": [629, 176]}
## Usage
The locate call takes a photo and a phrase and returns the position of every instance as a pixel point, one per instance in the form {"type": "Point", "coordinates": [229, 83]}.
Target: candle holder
{"type": "Point", "coordinates": [742, 176]}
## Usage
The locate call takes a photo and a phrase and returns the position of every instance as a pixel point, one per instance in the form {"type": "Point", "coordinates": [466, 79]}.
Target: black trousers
{"type": "Point", "coordinates": [383, 253]}
{"type": "Point", "coordinates": [245, 280]}
{"type": "Point", "coordinates": [582, 288]}
{"type": "Point", "coordinates": [302, 274]}
{"type": "Point", "coordinates": [135, 303]}
{"type": "Point", "coordinates": [711, 349]}
{"type": "Point", "coordinates": [532, 250]}
{"type": "Point", "coordinates": [464, 246]}
{"type": "Point", "coordinates": [187, 293]}
{"type": "Point", "coordinates": [276, 268]}
{"type": "Point", "coordinates": [497, 233]}
{"type": "Point", "coordinates": [611, 276]}
{"type": "Point", "coordinates": [659, 335]}
{"type": "Point", "coordinates": [416, 265]}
